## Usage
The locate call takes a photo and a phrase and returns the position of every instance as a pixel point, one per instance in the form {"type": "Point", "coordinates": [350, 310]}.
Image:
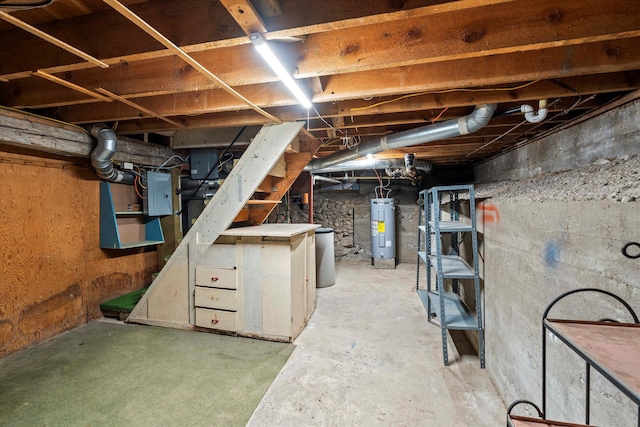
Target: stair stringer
{"type": "Point", "coordinates": [169, 300]}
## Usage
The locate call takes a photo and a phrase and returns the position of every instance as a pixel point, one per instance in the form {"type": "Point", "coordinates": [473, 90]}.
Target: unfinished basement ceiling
{"type": "Point", "coordinates": [373, 67]}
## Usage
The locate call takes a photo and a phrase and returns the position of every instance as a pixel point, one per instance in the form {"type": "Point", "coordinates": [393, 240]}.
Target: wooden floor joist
{"type": "Point", "coordinates": [139, 107]}
{"type": "Point", "coordinates": [51, 39]}
{"type": "Point", "coordinates": [70, 85]}
{"type": "Point", "coordinates": [186, 57]}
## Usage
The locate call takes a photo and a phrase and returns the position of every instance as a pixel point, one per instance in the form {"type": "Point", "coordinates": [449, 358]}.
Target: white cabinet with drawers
{"type": "Point", "coordinates": [260, 283]}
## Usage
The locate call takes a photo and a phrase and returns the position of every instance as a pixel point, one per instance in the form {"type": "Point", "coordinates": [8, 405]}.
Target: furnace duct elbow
{"type": "Point", "coordinates": [102, 154]}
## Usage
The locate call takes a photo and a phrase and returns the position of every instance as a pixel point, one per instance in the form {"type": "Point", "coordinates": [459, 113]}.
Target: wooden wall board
{"type": "Point", "coordinates": [275, 294]}
{"type": "Point", "coordinates": [298, 283]}
{"type": "Point", "coordinates": [250, 272]}
{"type": "Point", "coordinates": [310, 279]}
{"type": "Point", "coordinates": [171, 302]}
{"type": "Point", "coordinates": [53, 275]}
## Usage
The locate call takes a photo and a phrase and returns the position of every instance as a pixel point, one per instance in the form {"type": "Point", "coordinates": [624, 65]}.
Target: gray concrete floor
{"type": "Point", "coordinates": [369, 357]}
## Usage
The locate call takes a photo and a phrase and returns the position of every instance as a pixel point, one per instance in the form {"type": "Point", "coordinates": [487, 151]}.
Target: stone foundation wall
{"type": "Point", "coordinates": [348, 214]}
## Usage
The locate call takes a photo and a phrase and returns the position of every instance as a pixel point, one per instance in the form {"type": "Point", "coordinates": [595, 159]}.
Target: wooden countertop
{"type": "Point", "coordinates": [270, 230]}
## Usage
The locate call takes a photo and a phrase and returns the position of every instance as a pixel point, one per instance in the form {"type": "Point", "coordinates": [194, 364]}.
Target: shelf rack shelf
{"type": "Point", "coordinates": [609, 347]}
{"type": "Point", "coordinates": [448, 306]}
{"type": "Point", "coordinates": [122, 224]}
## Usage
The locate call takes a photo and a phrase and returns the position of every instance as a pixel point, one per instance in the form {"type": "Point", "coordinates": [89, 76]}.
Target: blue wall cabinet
{"type": "Point", "coordinates": [123, 224]}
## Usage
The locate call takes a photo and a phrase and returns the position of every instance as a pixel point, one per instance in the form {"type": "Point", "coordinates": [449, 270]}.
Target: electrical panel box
{"type": "Point", "coordinates": [203, 161]}
{"type": "Point", "coordinates": [157, 195]}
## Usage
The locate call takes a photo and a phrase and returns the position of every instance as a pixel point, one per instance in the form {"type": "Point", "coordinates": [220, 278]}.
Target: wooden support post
{"type": "Point", "coordinates": [310, 199]}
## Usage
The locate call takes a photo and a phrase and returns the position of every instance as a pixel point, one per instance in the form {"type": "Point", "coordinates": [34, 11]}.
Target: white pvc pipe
{"type": "Point", "coordinates": [531, 116]}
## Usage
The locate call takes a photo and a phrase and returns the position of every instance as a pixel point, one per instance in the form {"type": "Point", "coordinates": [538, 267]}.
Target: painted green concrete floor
{"type": "Point", "coordinates": [114, 374]}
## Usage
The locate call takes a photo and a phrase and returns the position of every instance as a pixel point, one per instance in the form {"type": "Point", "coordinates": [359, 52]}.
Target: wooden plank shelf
{"type": "Point", "coordinates": [611, 348]}
{"type": "Point", "coordinates": [262, 202]}
{"type": "Point", "coordinates": [517, 421]}
{"type": "Point", "coordinates": [121, 228]}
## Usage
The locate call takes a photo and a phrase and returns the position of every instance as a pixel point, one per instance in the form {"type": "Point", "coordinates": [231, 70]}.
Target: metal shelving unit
{"type": "Point", "coordinates": [448, 305]}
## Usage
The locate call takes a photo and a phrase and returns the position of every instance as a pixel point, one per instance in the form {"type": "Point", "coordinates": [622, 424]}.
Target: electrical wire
{"type": "Point", "coordinates": [137, 179]}
{"type": "Point", "coordinates": [516, 127]}
{"type": "Point", "coordinates": [548, 132]}
{"type": "Point", "coordinates": [223, 162]}
{"type": "Point", "coordinates": [439, 115]}
{"type": "Point", "coordinates": [351, 142]}
{"type": "Point", "coordinates": [140, 177]}
{"type": "Point", "coordinates": [323, 119]}
{"type": "Point", "coordinates": [497, 89]}
{"type": "Point", "coordinates": [375, 190]}
{"type": "Point", "coordinates": [498, 137]}
{"type": "Point", "coordinates": [387, 189]}
{"type": "Point", "coordinates": [211, 170]}
{"type": "Point", "coordinates": [175, 156]}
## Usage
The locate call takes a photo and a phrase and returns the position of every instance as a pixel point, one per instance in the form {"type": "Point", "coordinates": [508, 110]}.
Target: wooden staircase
{"type": "Point", "coordinates": [276, 184]}
{"type": "Point", "coordinates": [252, 190]}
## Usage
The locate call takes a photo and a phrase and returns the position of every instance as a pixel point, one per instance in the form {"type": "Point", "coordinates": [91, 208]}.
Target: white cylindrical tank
{"type": "Point", "coordinates": [325, 258]}
{"type": "Point", "coordinates": [383, 229]}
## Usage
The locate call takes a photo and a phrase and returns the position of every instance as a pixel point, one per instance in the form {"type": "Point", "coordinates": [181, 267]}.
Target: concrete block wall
{"type": "Point", "coordinates": [555, 216]}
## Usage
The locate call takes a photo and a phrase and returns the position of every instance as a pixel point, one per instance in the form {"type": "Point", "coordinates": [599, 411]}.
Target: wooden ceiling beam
{"type": "Point", "coordinates": [153, 78]}
{"type": "Point", "coordinates": [427, 116]}
{"type": "Point", "coordinates": [36, 133]}
{"type": "Point", "coordinates": [196, 26]}
{"type": "Point", "coordinates": [245, 15]}
{"type": "Point", "coordinates": [187, 104]}
{"type": "Point", "coordinates": [546, 89]}
{"type": "Point", "coordinates": [71, 86]}
{"type": "Point", "coordinates": [139, 108]}
{"type": "Point", "coordinates": [520, 26]}
{"type": "Point", "coordinates": [504, 29]}
{"type": "Point", "coordinates": [159, 76]}
{"type": "Point", "coordinates": [599, 83]}
{"type": "Point", "coordinates": [143, 25]}
{"type": "Point", "coordinates": [112, 39]}
{"type": "Point", "coordinates": [589, 58]}
{"type": "Point", "coordinates": [51, 39]}
{"type": "Point", "coordinates": [430, 78]}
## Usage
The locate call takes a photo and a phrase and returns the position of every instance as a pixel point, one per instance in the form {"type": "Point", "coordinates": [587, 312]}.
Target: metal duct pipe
{"type": "Point", "coordinates": [192, 184]}
{"type": "Point", "coordinates": [451, 128]}
{"type": "Point", "coordinates": [325, 179]}
{"type": "Point", "coordinates": [102, 154]}
{"type": "Point", "coordinates": [355, 165]}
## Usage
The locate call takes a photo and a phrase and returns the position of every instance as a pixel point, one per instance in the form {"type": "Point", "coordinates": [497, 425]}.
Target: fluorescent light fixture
{"type": "Point", "coordinates": [263, 48]}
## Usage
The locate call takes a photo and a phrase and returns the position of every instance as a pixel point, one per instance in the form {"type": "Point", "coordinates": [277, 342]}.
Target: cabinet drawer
{"type": "Point", "coordinates": [215, 277]}
{"type": "Point", "coordinates": [216, 319]}
{"type": "Point", "coordinates": [223, 299]}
